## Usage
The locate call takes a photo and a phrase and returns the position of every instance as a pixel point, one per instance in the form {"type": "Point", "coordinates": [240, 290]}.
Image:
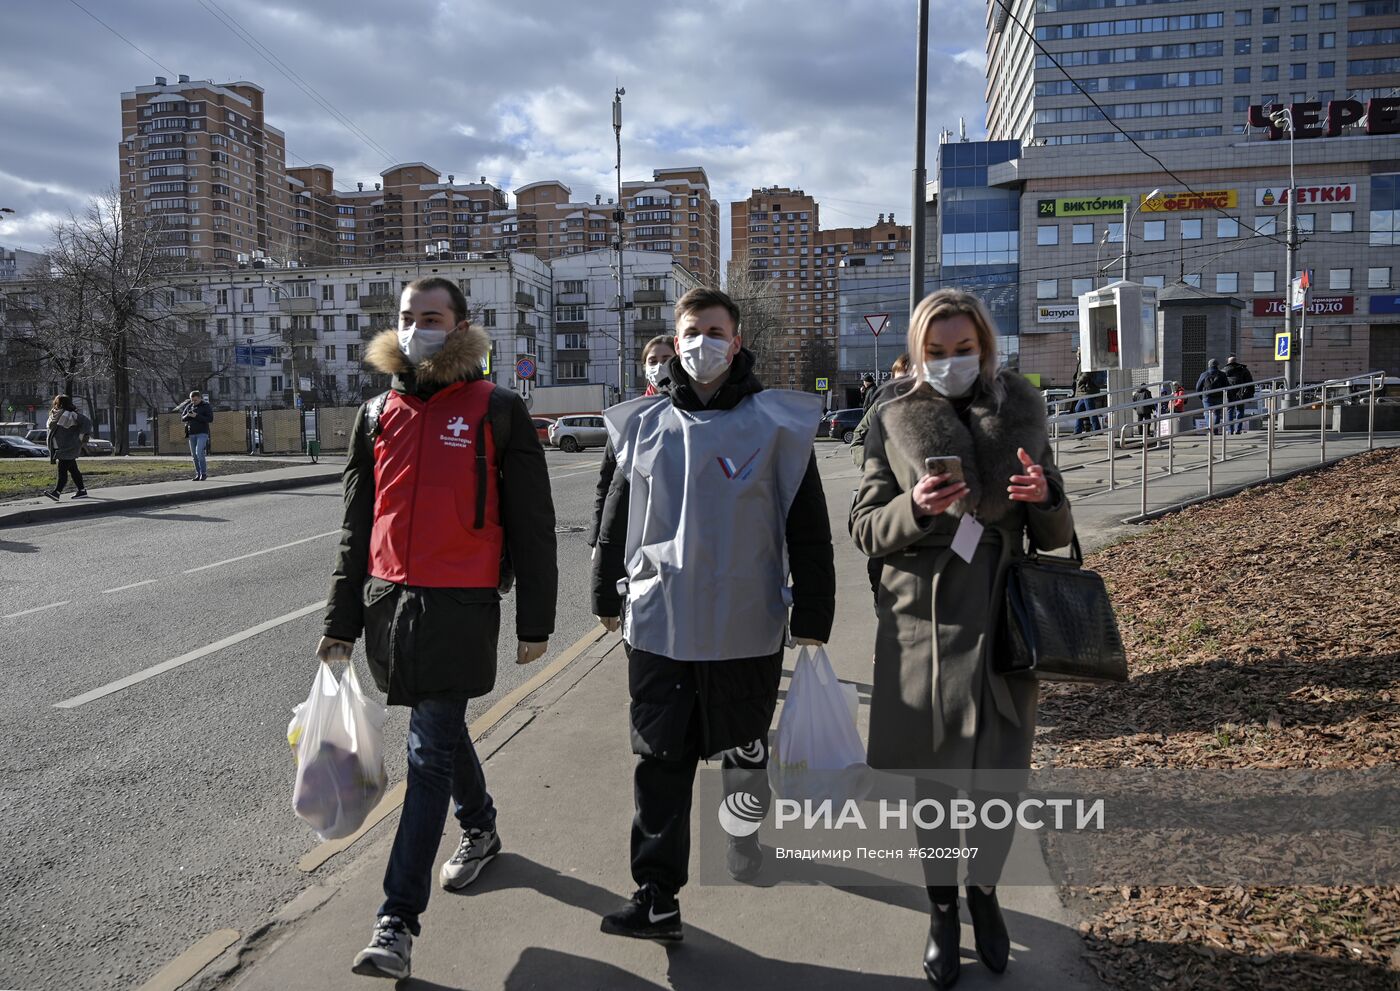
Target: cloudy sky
{"type": "Point", "coordinates": [816, 94]}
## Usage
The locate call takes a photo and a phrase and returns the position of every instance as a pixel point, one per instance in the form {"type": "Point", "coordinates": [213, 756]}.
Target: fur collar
{"type": "Point", "coordinates": [922, 424]}
{"type": "Point", "coordinates": [459, 359]}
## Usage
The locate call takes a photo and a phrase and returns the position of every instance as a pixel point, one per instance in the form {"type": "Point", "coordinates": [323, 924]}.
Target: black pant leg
{"type": "Point", "coordinates": [661, 826]}
{"type": "Point", "coordinates": [62, 475]}
{"type": "Point", "coordinates": [745, 769]}
{"type": "Point", "coordinates": [77, 476]}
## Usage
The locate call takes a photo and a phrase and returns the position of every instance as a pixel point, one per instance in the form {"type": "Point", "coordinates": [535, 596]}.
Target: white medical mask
{"type": "Point", "coordinates": [420, 343]}
{"type": "Point", "coordinates": [656, 374]}
{"type": "Point", "coordinates": [704, 358]}
{"type": "Point", "coordinates": [953, 377]}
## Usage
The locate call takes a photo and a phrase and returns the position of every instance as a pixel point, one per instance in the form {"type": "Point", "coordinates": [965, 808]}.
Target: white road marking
{"type": "Point", "coordinates": [244, 557]}
{"type": "Point", "coordinates": [54, 605]}
{"type": "Point", "coordinates": [123, 588]}
{"type": "Point", "coordinates": [571, 474]}
{"type": "Point", "coordinates": [194, 655]}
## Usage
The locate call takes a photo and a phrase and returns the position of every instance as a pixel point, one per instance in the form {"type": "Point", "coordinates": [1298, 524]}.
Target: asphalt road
{"type": "Point", "coordinates": [146, 818]}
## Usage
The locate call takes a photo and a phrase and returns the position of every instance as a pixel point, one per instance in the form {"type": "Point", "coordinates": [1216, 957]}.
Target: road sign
{"type": "Point", "coordinates": [876, 322]}
{"type": "Point", "coordinates": [1298, 289]}
{"type": "Point", "coordinates": [486, 362]}
{"type": "Point", "coordinates": [298, 402]}
{"type": "Point", "coordinates": [823, 385]}
{"type": "Point", "coordinates": [525, 368]}
{"type": "Point", "coordinates": [1283, 347]}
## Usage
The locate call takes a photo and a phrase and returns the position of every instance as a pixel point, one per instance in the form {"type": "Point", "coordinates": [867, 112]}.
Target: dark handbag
{"type": "Point", "coordinates": [1058, 623]}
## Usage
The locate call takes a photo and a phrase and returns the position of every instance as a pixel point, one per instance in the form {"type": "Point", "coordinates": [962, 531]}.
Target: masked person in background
{"type": "Point", "coordinates": [445, 488]}
{"type": "Point", "coordinates": [717, 500]}
{"type": "Point", "coordinates": [656, 357]}
{"type": "Point", "coordinates": [937, 704]}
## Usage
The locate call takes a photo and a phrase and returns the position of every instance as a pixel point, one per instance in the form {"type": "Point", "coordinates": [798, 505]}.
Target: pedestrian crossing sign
{"type": "Point", "coordinates": [823, 384]}
{"type": "Point", "coordinates": [1283, 347]}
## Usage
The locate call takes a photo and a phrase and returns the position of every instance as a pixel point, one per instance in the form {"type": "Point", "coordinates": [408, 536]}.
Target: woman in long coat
{"type": "Point", "coordinates": [937, 703]}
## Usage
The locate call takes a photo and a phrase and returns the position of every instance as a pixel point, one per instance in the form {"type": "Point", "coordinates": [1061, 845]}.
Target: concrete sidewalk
{"type": "Point", "coordinates": [117, 498]}
{"type": "Point", "coordinates": [560, 771]}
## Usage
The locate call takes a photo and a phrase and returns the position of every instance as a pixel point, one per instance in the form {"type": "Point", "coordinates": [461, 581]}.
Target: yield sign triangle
{"type": "Point", "coordinates": [876, 322]}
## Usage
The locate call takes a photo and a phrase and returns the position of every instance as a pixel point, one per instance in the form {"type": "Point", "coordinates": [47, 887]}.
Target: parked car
{"type": "Point", "coordinates": [574, 433]}
{"type": "Point", "coordinates": [19, 447]}
{"type": "Point", "coordinates": [39, 436]}
{"type": "Point", "coordinates": [842, 424]}
{"type": "Point", "coordinates": [93, 447]}
{"type": "Point", "coordinates": [542, 425]}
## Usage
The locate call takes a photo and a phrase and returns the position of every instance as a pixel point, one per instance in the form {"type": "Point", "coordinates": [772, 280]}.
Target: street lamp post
{"type": "Point", "coordinates": [1127, 221]}
{"type": "Point", "coordinates": [1284, 118]}
{"type": "Point", "coordinates": [618, 215]}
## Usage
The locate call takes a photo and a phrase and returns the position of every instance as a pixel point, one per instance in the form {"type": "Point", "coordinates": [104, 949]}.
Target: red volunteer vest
{"type": "Point", "coordinates": [437, 518]}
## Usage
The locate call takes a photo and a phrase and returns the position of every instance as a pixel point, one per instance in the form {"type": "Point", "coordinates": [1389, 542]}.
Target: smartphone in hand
{"type": "Point", "coordinates": [949, 465]}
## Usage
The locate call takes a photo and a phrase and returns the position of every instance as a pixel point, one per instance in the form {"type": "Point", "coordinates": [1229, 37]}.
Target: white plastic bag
{"type": "Point", "coordinates": [337, 738]}
{"type": "Point", "coordinates": [818, 747]}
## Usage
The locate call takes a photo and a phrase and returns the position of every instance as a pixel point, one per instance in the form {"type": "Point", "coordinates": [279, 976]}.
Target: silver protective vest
{"type": "Point", "coordinates": [706, 550]}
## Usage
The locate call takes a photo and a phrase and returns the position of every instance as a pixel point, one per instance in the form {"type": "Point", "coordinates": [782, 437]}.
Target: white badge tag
{"type": "Point", "coordinates": [967, 538]}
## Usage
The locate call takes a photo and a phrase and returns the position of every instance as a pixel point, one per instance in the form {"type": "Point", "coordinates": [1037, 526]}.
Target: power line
{"type": "Point", "coordinates": [121, 36]}
{"type": "Point", "coordinates": [291, 75]}
{"type": "Point", "coordinates": [1113, 123]}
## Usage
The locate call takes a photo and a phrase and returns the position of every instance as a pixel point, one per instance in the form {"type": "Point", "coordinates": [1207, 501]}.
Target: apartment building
{"type": "Point", "coordinates": [1173, 70]}
{"type": "Point", "coordinates": [587, 329]}
{"type": "Point", "coordinates": [16, 263]}
{"type": "Point", "coordinates": [200, 156]}
{"type": "Point", "coordinates": [674, 213]}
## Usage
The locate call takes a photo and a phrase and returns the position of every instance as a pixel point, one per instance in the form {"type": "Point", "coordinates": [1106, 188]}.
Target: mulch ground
{"type": "Point", "coordinates": [1262, 631]}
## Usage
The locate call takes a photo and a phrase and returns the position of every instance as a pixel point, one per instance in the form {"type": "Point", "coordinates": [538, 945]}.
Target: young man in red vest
{"type": "Point", "coordinates": [445, 488]}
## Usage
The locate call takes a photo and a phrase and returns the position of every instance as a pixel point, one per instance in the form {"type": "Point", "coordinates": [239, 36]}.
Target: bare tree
{"type": "Point", "coordinates": [761, 307]}
{"type": "Point", "coordinates": [124, 268]}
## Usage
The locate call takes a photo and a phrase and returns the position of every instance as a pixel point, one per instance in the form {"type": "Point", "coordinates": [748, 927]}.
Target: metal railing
{"type": "Point", "coordinates": [1273, 398]}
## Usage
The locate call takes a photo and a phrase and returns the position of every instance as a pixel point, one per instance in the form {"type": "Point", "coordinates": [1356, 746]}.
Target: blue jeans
{"type": "Point", "coordinates": [1234, 418]}
{"type": "Point", "coordinates": [199, 444]}
{"type": "Point", "coordinates": [442, 765]}
{"type": "Point", "coordinates": [1212, 411]}
{"type": "Point", "coordinates": [1082, 425]}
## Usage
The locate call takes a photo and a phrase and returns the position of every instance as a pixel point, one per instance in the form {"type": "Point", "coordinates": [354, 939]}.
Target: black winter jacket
{"type": "Point", "coordinates": [1212, 382]}
{"type": "Point", "coordinates": [442, 642]}
{"type": "Point", "coordinates": [1239, 377]}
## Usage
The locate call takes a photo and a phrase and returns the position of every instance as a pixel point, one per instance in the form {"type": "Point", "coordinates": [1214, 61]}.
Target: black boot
{"type": "Point", "coordinates": [993, 944]}
{"type": "Point", "coordinates": [941, 963]}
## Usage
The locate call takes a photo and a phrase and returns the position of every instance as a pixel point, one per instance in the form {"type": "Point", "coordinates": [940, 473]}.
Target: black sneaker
{"type": "Point", "coordinates": [651, 914]}
{"type": "Point", "coordinates": [745, 859]}
{"type": "Point", "coordinates": [389, 952]}
{"type": "Point", "coordinates": [51, 494]}
{"type": "Point", "coordinates": [80, 494]}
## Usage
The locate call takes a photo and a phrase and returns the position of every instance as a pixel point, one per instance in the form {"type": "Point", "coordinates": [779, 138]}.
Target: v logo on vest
{"type": "Point", "coordinates": [740, 473]}
{"type": "Point", "coordinates": [458, 426]}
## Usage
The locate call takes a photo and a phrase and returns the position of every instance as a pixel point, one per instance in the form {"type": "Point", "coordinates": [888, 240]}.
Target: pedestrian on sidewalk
{"type": "Point", "coordinates": [1213, 384]}
{"type": "Point", "coordinates": [1090, 400]}
{"type": "Point", "coordinates": [1142, 394]}
{"type": "Point", "coordinates": [898, 371]}
{"type": "Point", "coordinates": [717, 500]}
{"type": "Point", "coordinates": [868, 388]}
{"type": "Point", "coordinates": [656, 358]}
{"type": "Point", "coordinates": [1242, 390]}
{"type": "Point", "coordinates": [446, 488]}
{"type": "Point", "coordinates": [68, 431]}
{"type": "Point", "coordinates": [197, 415]}
{"type": "Point", "coordinates": [937, 703]}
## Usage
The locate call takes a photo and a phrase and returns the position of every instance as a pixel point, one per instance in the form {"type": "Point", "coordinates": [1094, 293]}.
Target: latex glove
{"type": "Point", "coordinates": [807, 642]}
{"type": "Point", "coordinates": [330, 649]}
{"type": "Point", "coordinates": [610, 623]}
{"type": "Point", "coordinates": [528, 652]}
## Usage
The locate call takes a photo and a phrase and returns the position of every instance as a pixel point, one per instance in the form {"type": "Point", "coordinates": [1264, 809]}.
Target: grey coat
{"type": "Point", "coordinates": [936, 701]}
{"type": "Point", "coordinates": [66, 443]}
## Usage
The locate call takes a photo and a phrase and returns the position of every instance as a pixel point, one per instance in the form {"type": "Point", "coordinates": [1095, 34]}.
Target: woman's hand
{"type": "Point", "coordinates": [930, 500]}
{"type": "Point", "coordinates": [1032, 486]}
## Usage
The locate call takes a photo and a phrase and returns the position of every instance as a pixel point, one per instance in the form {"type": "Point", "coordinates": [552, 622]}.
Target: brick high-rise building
{"type": "Point", "coordinates": [674, 212]}
{"type": "Point", "coordinates": [202, 157]}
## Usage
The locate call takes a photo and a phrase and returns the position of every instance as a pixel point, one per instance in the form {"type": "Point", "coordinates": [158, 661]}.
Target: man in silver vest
{"type": "Point", "coordinates": [716, 504]}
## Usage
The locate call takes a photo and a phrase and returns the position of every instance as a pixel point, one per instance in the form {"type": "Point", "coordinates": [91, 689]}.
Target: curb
{"type": "Point", "coordinates": [47, 514]}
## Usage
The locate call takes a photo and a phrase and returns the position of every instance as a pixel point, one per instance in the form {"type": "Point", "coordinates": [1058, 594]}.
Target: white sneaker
{"type": "Point", "coordinates": [388, 952]}
{"type": "Point", "coordinates": [477, 849]}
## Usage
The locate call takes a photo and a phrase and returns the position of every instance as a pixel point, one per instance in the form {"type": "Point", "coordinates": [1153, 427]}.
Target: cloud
{"type": "Point", "coordinates": [759, 92]}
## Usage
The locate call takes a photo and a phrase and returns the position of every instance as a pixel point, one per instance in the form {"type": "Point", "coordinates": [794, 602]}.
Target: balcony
{"type": "Point", "coordinates": [525, 299]}
{"type": "Point", "coordinates": [571, 299]}
{"type": "Point", "coordinates": [299, 335]}
{"type": "Point", "coordinates": [296, 304]}
{"type": "Point", "coordinates": [649, 296]}
{"type": "Point", "coordinates": [379, 302]}
{"type": "Point", "coordinates": [571, 354]}
{"type": "Point", "coordinates": [650, 327]}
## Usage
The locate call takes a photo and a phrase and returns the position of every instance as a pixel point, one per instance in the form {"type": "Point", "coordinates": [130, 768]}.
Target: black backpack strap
{"type": "Point", "coordinates": [498, 418]}
{"type": "Point", "coordinates": [374, 409]}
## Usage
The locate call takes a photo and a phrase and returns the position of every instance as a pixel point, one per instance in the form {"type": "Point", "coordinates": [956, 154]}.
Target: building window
{"type": "Point", "coordinates": [328, 324]}
{"type": "Point", "coordinates": [1193, 279]}
{"type": "Point", "coordinates": [1227, 227]}
{"type": "Point", "coordinates": [1327, 39]}
{"type": "Point", "coordinates": [1339, 278]}
{"type": "Point", "coordinates": [1269, 44]}
{"type": "Point", "coordinates": [1227, 282]}
{"type": "Point", "coordinates": [328, 292]}
{"type": "Point", "coordinates": [571, 371]}
{"type": "Point", "coordinates": [1047, 288]}
{"type": "Point", "coordinates": [1190, 230]}
{"type": "Point", "coordinates": [1338, 337]}
{"type": "Point", "coordinates": [1155, 281]}
{"type": "Point", "coordinates": [1082, 234]}
{"type": "Point", "coordinates": [1243, 18]}
{"type": "Point", "coordinates": [1242, 74]}
{"type": "Point", "coordinates": [1078, 287]}
{"type": "Point", "coordinates": [1115, 233]}
{"type": "Point", "coordinates": [1300, 13]}
{"type": "Point", "coordinates": [1326, 70]}
{"type": "Point", "coordinates": [1243, 46]}
{"type": "Point", "coordinates": [1263, 281]}
{"type": "Point", "coordinates": [329, 352]}
{"type": "Point", "coordinates": [1268, 74]}
{"type": "Point", "coordinates": [1267, 226]}
{"type": "Point", "coordinates": [1341, 221]}
{"type": "Point", "coordinates": [1298, 70]}
{"type": "Point", "coordinates": [352, 292]}
{"type": "Point", "coordinates": [488, 318]}
{"type": "Point", "coordinates": [299, 290]}
{"type": "Point", "coordinates": [1154, 230]}
{"type": "Point", "coordinates": [352, 322]}
{"type": "Point", "coordinates": [1270, 15]}
{"type": "Point", "coordinates": [1047, 234]}
{"type": "Point", "coordinates": [352, 352]}
{"type": "Point", "coordinates": [1306, 222]}
{"type": "Point", "coordinates": [1378, 278]}
{"type": "Point", "coordinates": [1327, 12]}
